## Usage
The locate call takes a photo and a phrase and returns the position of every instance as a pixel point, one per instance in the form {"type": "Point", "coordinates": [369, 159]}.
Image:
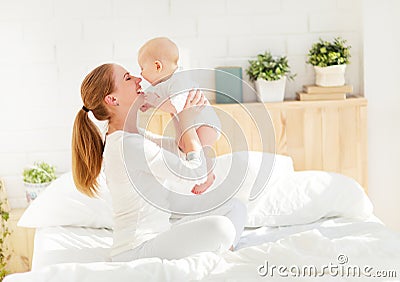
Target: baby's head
{"type": "Point", "coordinates": [158, 58]}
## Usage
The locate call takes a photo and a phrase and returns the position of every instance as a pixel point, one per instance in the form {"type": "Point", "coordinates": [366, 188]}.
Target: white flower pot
{"type": "Point", "coordinates": [330, 76]}
{"type": "Point", "coordinates": [270, 91]}
{"type": "Point", "coordinates": [32, 190]}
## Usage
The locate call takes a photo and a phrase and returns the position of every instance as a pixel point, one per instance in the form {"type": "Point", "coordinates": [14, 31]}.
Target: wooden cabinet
{"type": "Point", "coordinates": [20, 244]}
{"type": "Point", "coordinates": [318, 135]}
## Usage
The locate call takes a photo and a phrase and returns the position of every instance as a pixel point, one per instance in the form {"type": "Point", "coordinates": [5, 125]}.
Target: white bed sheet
{"type": "Point", "coordinates": [363, 242]}
{"type": "Point", "coordinates": [62, 244]}
{"type": "Point", "coordinates": [65, 244]}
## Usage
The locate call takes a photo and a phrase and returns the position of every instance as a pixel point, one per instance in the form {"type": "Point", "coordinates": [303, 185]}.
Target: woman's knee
{"type": "Point", "coordinates": [239, 207]}
{"type": "Point", "coordinates": [221, 227]}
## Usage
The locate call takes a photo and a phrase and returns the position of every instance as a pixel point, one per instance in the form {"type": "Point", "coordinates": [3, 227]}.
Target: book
{"type": "Point", "coordinates": [314, 89]}
{"type": "Point", "coordinates": [228, 85]}
{"type": "Point", "coordinates": [320, 96]}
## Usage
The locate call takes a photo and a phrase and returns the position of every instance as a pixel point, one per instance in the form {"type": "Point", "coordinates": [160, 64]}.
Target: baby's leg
{"type": "Point", "coordinates": [207, 136]}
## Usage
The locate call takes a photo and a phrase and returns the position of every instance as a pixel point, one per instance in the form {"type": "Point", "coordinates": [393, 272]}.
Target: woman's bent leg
{"type": "Point", "coordinates": [238, 216]}
{"type": "Point", "coordinates": [206, 234]}
{"type": "Point", "coordinates": [234, 209]}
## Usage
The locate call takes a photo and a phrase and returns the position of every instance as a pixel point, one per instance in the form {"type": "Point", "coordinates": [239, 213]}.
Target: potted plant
{"type": "Point", "coordinates": [269, 74]}
{"type": "Point", "coordinates": [37, 178]}
{"type": "Point", "coordinates": [329, 60]}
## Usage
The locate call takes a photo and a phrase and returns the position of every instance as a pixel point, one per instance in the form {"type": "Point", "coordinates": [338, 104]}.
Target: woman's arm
{"type": "Point", "coordinates": [165, 142]}
{"type": "Point", "coordinates": [168, 168]}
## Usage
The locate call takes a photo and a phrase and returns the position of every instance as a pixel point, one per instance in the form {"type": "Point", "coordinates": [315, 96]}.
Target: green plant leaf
{"type": "Point", "coordinates": [325, 53]}
{"type": "Point", "coordinates": [267, 67]}
{"type": "Point", "coordinates": [40, 172]}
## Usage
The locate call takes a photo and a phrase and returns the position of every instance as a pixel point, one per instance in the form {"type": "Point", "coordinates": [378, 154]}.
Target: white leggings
{"type": "Point", "coordinates": [210, 233]}
{"type": "Point", "coordinates": [234, 209]}
{"type": "Point", "coordinates": [215, 231]}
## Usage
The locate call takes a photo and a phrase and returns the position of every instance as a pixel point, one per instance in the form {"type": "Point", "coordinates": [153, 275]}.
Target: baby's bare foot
{"type": "Point", "coordinates": [199, 189]}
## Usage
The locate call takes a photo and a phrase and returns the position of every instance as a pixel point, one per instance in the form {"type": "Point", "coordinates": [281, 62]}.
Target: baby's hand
{"type": "Point", "coordinates": [154, 100]}
{"type": "Point", "coordinates": [145, 107]}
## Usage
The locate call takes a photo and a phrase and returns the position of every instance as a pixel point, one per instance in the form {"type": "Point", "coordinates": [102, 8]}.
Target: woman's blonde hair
{"type": "Point", "coordinates": [87, 143]}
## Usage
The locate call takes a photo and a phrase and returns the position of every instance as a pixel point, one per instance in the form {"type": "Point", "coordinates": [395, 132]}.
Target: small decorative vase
{"type": "Point", "coordinates": [330, 76]}
{"type": "Point", "coordinates": [270, 91]}
{"type": "Point", "coordinates": [32, 190]}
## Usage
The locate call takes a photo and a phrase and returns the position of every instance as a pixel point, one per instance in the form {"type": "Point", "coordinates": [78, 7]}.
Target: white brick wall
{"type": "Point", "coordinates": [381, 58]}
{"type": "Point", "coordinates": [49, 45]}
{"type": "Point", "coordinates": [253, 7]}
{"type": "Point", "coordinates": [197, 8]}
{"type": "Point", "coordinates": [314, 6]}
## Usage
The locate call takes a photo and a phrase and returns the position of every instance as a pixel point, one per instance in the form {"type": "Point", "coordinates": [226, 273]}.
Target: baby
{"type": "Point", "coordinates": [158, 60]}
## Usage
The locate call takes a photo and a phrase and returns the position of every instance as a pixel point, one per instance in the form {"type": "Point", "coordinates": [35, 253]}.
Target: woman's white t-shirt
{"type": "Point", "coordinates": [133, 159]}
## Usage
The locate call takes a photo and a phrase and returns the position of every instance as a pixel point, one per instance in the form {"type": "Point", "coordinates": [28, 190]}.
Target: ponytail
{"type": "Point", "coordinates": [87, 143]}
{"type": "Point", "coordinates": [87, 154]}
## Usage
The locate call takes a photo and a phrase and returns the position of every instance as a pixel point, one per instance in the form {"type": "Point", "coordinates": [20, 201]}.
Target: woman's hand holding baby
{"type": "Point", "coordinates": [195, 103]}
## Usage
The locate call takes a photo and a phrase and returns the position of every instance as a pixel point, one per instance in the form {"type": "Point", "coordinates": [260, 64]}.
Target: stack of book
{"type": "Point", "coordinates": [314, 92]}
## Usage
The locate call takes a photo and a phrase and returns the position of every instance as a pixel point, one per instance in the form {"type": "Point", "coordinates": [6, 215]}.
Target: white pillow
{"type": "Point", "coordinates": [306, 196]}
{"type": "Point", "coordinates": [251, 171]}
{"type": "Point", "coordinates": [264, 170]}
{"type": "Point", "coordinates": [61, 204]}
{"type": "Point", "coordinates": [282, 166]}
{"type": "Point", "coordinates": [289, 198]}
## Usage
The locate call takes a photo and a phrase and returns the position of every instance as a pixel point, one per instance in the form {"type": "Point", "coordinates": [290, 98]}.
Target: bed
{"type": "Point", "coordinates": [289, 245]}
{"type": "Point", "coordinates": [306, 225]}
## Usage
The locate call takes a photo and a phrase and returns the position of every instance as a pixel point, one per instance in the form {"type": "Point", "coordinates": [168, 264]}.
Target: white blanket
{"type": "Point", "coordinates": [329, 242]}
{"type": "Point", "coordinates": [349, 238]}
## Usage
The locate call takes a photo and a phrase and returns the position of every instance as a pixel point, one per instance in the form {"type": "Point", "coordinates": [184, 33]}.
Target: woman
{"type": "Point", "coordinates": [140, 229]}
